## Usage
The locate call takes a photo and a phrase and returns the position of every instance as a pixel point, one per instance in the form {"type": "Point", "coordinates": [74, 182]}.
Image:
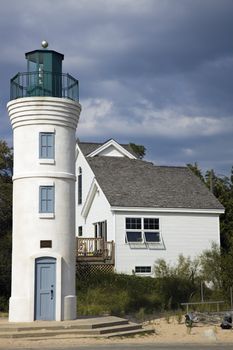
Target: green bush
{"type": "Point", "coordinates": [97, 301]}
{"type": "Point", "coordinates": [119, 294]}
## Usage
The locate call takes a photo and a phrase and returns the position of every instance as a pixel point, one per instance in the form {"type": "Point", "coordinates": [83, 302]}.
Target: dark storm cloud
{"type": "Point", "coordinates": [157, 72]}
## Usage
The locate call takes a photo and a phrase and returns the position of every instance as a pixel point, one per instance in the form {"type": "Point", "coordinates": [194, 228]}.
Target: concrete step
{"type": "Point", "coordinates": [51, 332]}
{"type": "Point", "coordinates": [110, 326]}
{"type": "Point", "coordinates": [130, 333]}
{"type": "Point", "coordinates": [120, 328]}
{"type": "Point", "coordinates": [88, 323]}
{"type": "Point", "coordinates": [71, 334]}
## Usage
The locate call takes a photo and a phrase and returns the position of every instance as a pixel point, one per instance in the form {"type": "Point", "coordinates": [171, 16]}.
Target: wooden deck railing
{"type": "Point", "coordinates": [95, 249]}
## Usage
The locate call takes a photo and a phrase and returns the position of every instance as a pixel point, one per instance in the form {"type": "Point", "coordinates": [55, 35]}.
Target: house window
{"type": "Point", "coordinates": [142, 269]}
{"type": "Point", "coordinates": [134, 236]}
{"type": "Point", "coordinates": [133, 223]}
{"type": "Point", "coordinates": [133, 230]}
{"type": "Point", "coordinates": [46, 195]}
{"type": "Point", "coordinates": [151, 230]}
{"type": "Point", "coordinates": [151, 224]}
{"type": "Point", "coordinates": [152, 237]}
{"type": "Point", "coordinates": [100, 230]}
{"type": "Point", "coordinates": [80, 231]}
{"type": "Point", "coordinates": [46, 147]}
{"type": "Point", "coordinates": [80, 186]}
{"type": "Point", "coordinates": [142, 230]}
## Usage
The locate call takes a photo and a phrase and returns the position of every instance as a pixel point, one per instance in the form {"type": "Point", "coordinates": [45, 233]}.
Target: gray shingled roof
{"type": "Point", "coordinates": [89, 147]}
{"type": "Point", "coordinates": [136, 183]}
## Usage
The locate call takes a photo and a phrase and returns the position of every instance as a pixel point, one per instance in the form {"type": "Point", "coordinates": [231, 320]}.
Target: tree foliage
{"type": "Point", "coordinates": [6, 160]}
{"type": "Point", "coordinates": [5, 188]}
{"type": "Point", "coordinates": [196, 170]}
{"type": "Point", "coordinates": [213, 267]}
{"type": "Point", "coordinates": [6, 165]}
{"type": "Point", "coordinates": [139, 150]}
{"type": "Point", "coordinates": [222, 187]}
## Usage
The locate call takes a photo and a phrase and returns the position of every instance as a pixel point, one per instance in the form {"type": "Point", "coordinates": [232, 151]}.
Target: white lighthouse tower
{"type": "Point", "coordinates": [44, 113]}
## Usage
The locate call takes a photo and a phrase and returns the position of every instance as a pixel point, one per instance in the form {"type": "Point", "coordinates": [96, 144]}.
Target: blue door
{"type": "Point", "coordinates": [45, 289]}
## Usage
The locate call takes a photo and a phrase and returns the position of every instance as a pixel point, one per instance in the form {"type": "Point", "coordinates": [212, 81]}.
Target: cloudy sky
{"type": "Point", "coordinates": [152, 72]}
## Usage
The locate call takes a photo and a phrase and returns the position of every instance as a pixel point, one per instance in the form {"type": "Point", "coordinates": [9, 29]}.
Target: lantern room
{"type": "Point", "coordinates": [44, 68]}
{"type": "Point", "coordinates": [44, 77]}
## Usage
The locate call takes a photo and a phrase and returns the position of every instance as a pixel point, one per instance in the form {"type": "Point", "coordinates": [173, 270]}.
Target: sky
{"type": "Point", "coordinates": [152, 72]}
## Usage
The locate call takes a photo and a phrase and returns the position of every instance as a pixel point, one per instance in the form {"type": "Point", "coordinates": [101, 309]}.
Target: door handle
{"type": "Point", "coordinates": [51, 294]}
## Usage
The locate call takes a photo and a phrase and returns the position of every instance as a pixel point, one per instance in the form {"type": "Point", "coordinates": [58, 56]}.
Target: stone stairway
{"type": "Point", "coordinates": [109, 326]}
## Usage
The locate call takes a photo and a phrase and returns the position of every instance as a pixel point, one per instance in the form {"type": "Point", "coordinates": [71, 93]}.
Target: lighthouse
{"type": "Point", "coordinates": [44, 111]}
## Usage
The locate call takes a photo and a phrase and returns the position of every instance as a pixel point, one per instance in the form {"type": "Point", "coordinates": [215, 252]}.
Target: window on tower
{"type": "Point", "coordinates": [46, 146]}
{"type": "Point", "coordinates": [46, 201]}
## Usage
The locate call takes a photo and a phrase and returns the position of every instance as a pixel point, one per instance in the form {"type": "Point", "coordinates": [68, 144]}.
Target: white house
{"type": "Point", "coordinates": [147, 211]}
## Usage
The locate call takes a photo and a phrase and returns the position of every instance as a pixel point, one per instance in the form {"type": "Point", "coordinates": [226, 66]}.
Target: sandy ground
{"type": "Point", "coordinates": [165, 332]}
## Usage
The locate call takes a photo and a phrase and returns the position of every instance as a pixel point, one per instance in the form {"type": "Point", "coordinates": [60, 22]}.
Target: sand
{"type": "Point", "coordinates": [172, 332]}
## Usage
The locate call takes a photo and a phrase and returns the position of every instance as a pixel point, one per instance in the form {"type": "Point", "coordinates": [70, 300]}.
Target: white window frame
{"type": "Point", "coordinates": [144, 243]}
{"type": "Point", "coordinates": [47, 160]}
{"type": "Point", "coordinates": [43, 215]}
{"type": "Point", "coordinates": [49, 137]}
{"type": "Point", "coordinates": [131, 230]}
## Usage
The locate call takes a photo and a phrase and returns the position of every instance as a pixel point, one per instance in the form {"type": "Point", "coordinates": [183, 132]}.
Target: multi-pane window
{"type": "Point", "coordinates": [46, 145]}
{"type": "Point", "coordinates": [80, 186]}
{"type": "Point", "coordinates": [151, 224]}
{"type": "Point", "coordinates": [46, 204]}
{"type": "Point", "coordinates": [144, 230]}
{"type": "Point", "coordinates": [151, 230]}
{"type": "Point", "coordinates": [133, 229]}
{"type": "Point", "coordinates": [142, 269]}
{"type": "Point", "coordinates": [133, 223]}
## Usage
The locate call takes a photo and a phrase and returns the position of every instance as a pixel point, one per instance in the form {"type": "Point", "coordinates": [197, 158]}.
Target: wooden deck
{"type": "Point", "coordinates": [95, 250]}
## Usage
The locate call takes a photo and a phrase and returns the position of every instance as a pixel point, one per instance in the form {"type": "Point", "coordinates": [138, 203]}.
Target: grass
{"type": "Point", "coordinates": [119, 294]}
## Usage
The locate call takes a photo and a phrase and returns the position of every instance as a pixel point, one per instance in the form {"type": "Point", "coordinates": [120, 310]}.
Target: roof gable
{"type": "Point", "coordinates": [110, 148]}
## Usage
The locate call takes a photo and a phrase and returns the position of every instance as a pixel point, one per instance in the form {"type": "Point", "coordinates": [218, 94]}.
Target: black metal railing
{"type": "Point", "coordinates": [43, 83]}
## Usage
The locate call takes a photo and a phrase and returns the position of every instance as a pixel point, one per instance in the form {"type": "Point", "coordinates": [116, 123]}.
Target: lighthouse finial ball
{"type": "Point", "coordinates": [44, 44]}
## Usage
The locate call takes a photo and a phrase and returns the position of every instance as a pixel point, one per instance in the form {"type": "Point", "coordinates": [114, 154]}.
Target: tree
{"type": "Point", "coordinates": [6, 160]}
{"type": "Point", "coordinates": [222, 188]}
{"type": "Point", "coordinates": [139, 150]}
{"type": "Point", "coordinates": [6, 166]}
{"type": "Point", "coordinates": [185, 268]}
{"type": "Point", "coordinates": [196, 170]}
{"type": "Point", "coordinates": [211, 266]}
{"type": "Point", "coordinates": [178, 281]}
